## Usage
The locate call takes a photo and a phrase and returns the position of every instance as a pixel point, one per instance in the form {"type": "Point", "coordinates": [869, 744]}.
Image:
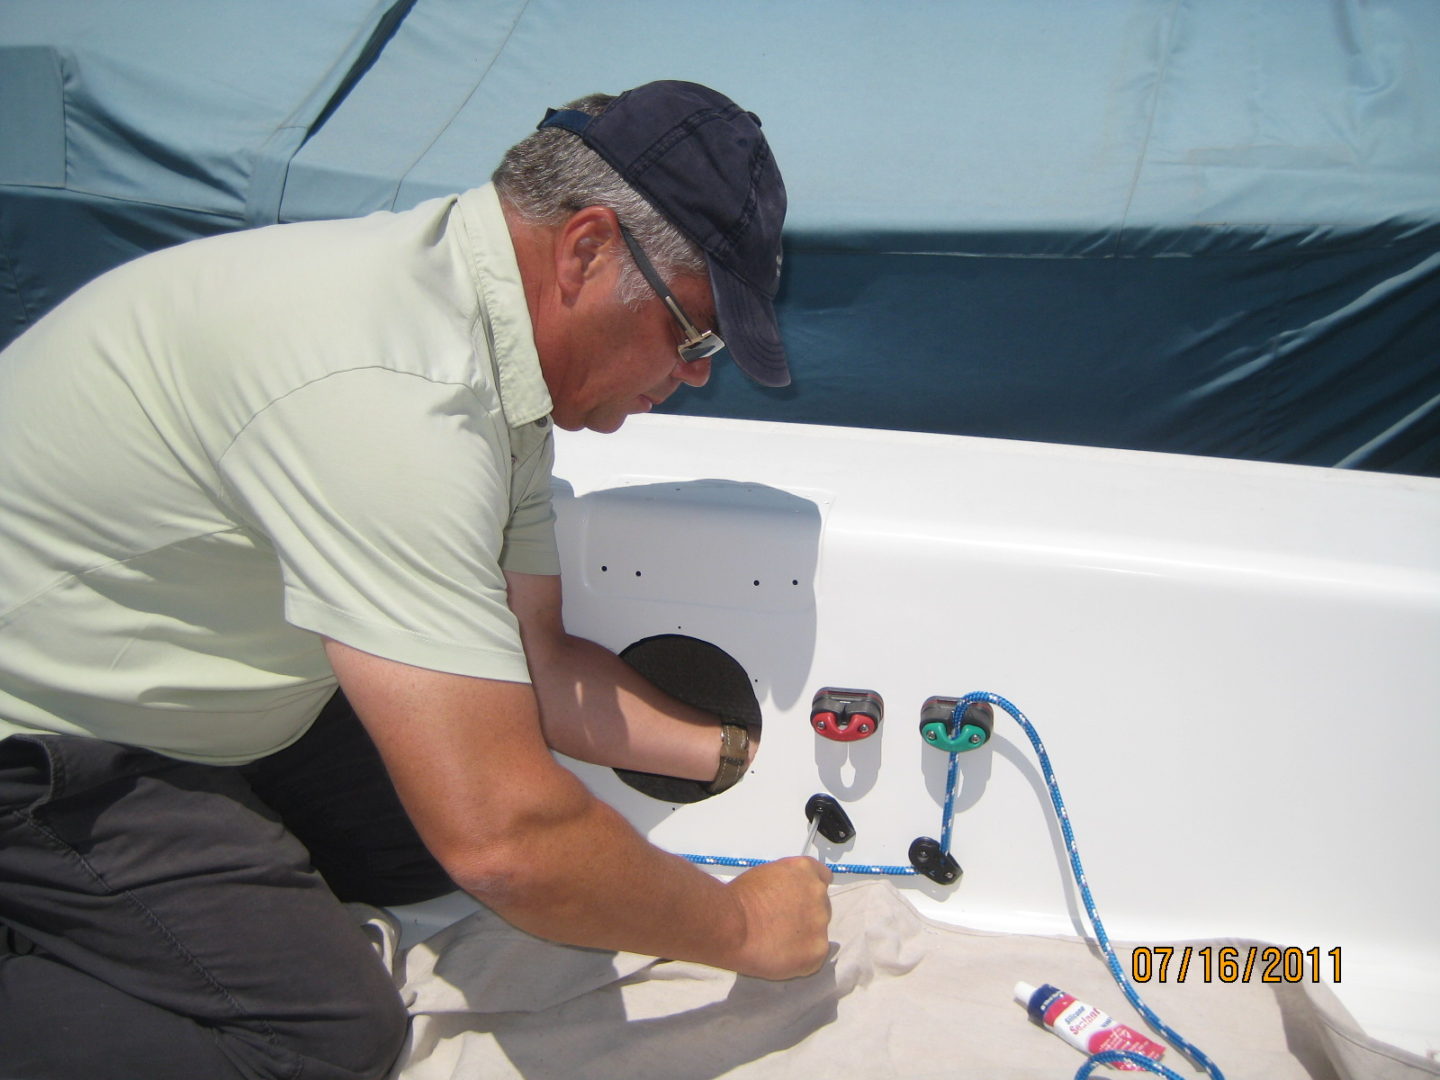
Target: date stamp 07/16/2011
{"type": "Point", "coordinates": [1231, 964]}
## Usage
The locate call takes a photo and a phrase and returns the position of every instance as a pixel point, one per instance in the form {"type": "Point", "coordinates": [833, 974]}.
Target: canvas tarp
{"type": "Point", "coordinates": [1206, 228]}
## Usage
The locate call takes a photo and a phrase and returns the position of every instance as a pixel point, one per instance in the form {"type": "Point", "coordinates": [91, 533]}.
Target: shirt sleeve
{"type": "Point", "coordinates": [386, 497]}
{"type": "Point", "coordinates": [530, 535]}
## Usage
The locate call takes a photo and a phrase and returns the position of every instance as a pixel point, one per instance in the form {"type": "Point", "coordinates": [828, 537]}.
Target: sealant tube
{"type": "Point", "coordinates": [1083, 1026]}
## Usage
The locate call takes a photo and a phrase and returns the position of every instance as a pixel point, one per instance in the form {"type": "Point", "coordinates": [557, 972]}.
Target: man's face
{"type": "Point", "coordinates": [624, 359]}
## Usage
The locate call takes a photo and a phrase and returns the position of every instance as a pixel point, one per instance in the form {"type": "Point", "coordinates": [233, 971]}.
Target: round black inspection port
{"type": "Point", "coordinates": [699, 674]}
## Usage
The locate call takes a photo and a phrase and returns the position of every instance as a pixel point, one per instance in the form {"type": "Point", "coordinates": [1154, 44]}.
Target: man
{"type": "Point", "coordinates": [238, 471]}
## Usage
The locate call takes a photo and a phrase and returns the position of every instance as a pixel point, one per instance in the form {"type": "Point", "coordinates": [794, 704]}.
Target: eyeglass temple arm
{"type": "Point", "coordinates": [662, 290]}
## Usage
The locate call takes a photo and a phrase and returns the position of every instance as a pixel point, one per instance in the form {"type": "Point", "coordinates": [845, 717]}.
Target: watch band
{"type": "Point", "coordinates": [734, 756]}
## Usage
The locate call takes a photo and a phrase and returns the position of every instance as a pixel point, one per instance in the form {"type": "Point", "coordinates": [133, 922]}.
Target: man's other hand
{"type": "Point", "coordinates": [787, 918]}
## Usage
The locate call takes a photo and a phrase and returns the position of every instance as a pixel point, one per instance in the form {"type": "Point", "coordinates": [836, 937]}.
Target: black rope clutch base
{"type": "Point", "coordinates": [709, 678]}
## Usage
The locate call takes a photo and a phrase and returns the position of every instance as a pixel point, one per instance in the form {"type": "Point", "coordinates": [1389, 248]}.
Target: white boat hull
{"type": "Point", "coordinates": [1233, 667]}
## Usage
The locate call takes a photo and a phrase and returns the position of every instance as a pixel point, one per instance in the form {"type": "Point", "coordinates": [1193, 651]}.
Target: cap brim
{"type": "Point", "coordinates": [747, 323]}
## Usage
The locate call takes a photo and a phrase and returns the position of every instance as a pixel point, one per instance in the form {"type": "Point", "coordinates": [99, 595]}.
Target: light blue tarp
{"type": "Point", "coordinates": [1209, 227]}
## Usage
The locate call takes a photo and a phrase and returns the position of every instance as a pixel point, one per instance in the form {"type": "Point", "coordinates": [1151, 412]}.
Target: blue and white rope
{"type": "Point", "coordinates": [1112, 961]}
{"type": "Point", "coordinates": [837, 868]}
{"type": "Point", "coordinates": [1108, 1057]}
{"type": "Point", "coordinates": [946, 819]}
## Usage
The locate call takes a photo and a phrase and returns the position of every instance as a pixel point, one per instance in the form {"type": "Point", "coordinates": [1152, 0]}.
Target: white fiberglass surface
{"type": "Point", "coordinates": [1232, 666]}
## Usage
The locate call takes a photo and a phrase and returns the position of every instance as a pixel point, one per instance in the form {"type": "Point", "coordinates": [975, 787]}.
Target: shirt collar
{"type": "Point", "coordinates": [523, 393]}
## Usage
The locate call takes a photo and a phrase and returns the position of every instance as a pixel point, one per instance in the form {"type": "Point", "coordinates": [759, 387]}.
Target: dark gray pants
{"type": "Point", "coordinates": [161, 919]}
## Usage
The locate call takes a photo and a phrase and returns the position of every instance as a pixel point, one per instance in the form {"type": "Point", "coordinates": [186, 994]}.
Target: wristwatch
{"type": "Point", "coordinates": [734, 756]}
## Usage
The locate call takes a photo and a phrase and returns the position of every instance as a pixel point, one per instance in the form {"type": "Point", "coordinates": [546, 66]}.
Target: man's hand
{"type": "Point", "coordinates": [787, 918]}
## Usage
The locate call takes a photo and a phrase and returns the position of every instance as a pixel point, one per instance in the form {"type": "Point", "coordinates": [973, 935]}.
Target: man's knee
{"type": "Point", "coordinates": [362, 1044]}
{"type": "Point", "coordinates": [388, 1027]}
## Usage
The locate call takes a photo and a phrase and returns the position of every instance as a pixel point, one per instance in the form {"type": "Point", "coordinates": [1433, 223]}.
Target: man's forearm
{"type": "Point", "coordinates": [585, 877]}
{"type": "Point", "coordinates": [596, 708]}
{"type": "Point", "coordinates": [521, 833]}
{"type": "Point", "coordinates": [580, 874]}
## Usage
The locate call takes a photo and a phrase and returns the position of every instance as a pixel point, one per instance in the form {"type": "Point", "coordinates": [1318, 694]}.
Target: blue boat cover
{"type": "Point", "coordinates": [1208, 228]}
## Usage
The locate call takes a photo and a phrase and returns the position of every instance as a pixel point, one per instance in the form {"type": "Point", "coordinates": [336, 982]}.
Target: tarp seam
{"type": "Point", "coordinates": [479, 81]}
{"type": "Point", "coordinates": [1140, 157]}
{"type": "Point", "coordinates": [272, 162]}
{"type": "Point", "coordinates": [1424, 242]}
{"type": "Point", "coordinates": [84, 194]}
{"type": "Point", "coordinates": [383, 33]}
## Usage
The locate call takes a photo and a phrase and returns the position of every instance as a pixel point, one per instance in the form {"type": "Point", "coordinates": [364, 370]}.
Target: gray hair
{"type": "Point", "coordinates": [551, 174]}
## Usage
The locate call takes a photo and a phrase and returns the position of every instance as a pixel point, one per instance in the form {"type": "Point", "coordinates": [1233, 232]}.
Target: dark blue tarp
{"type": "Point", "coordinates": [1209, 227]}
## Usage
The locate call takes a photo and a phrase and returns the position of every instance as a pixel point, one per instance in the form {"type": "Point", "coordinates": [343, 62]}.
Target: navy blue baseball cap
{"type": "Point", "coordinates": [702, 162]}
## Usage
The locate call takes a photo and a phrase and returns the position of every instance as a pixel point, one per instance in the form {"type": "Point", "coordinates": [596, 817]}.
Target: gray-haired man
{"type": "Point", "coordinates": [238, 471]}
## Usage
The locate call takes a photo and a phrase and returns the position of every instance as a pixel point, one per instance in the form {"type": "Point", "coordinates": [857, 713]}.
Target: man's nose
{"type": "Point", "coordinates": [694, 372]}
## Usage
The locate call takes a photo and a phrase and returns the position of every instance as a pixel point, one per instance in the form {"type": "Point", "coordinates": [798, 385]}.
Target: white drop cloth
{"type": "Point", "coordinates": [900, 996]}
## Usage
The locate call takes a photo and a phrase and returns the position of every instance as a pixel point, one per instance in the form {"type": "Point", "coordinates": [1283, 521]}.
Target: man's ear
{"type": "Point", "coordinates": [586, 249]}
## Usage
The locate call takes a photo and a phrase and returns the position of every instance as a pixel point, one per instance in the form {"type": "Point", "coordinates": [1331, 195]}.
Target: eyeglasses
{"type": "Point", "coordinates": [697, 345]}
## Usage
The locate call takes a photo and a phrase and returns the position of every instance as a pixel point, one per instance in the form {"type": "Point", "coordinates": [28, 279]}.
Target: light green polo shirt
{"type": "Point", "coordinates": [215, 454]}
